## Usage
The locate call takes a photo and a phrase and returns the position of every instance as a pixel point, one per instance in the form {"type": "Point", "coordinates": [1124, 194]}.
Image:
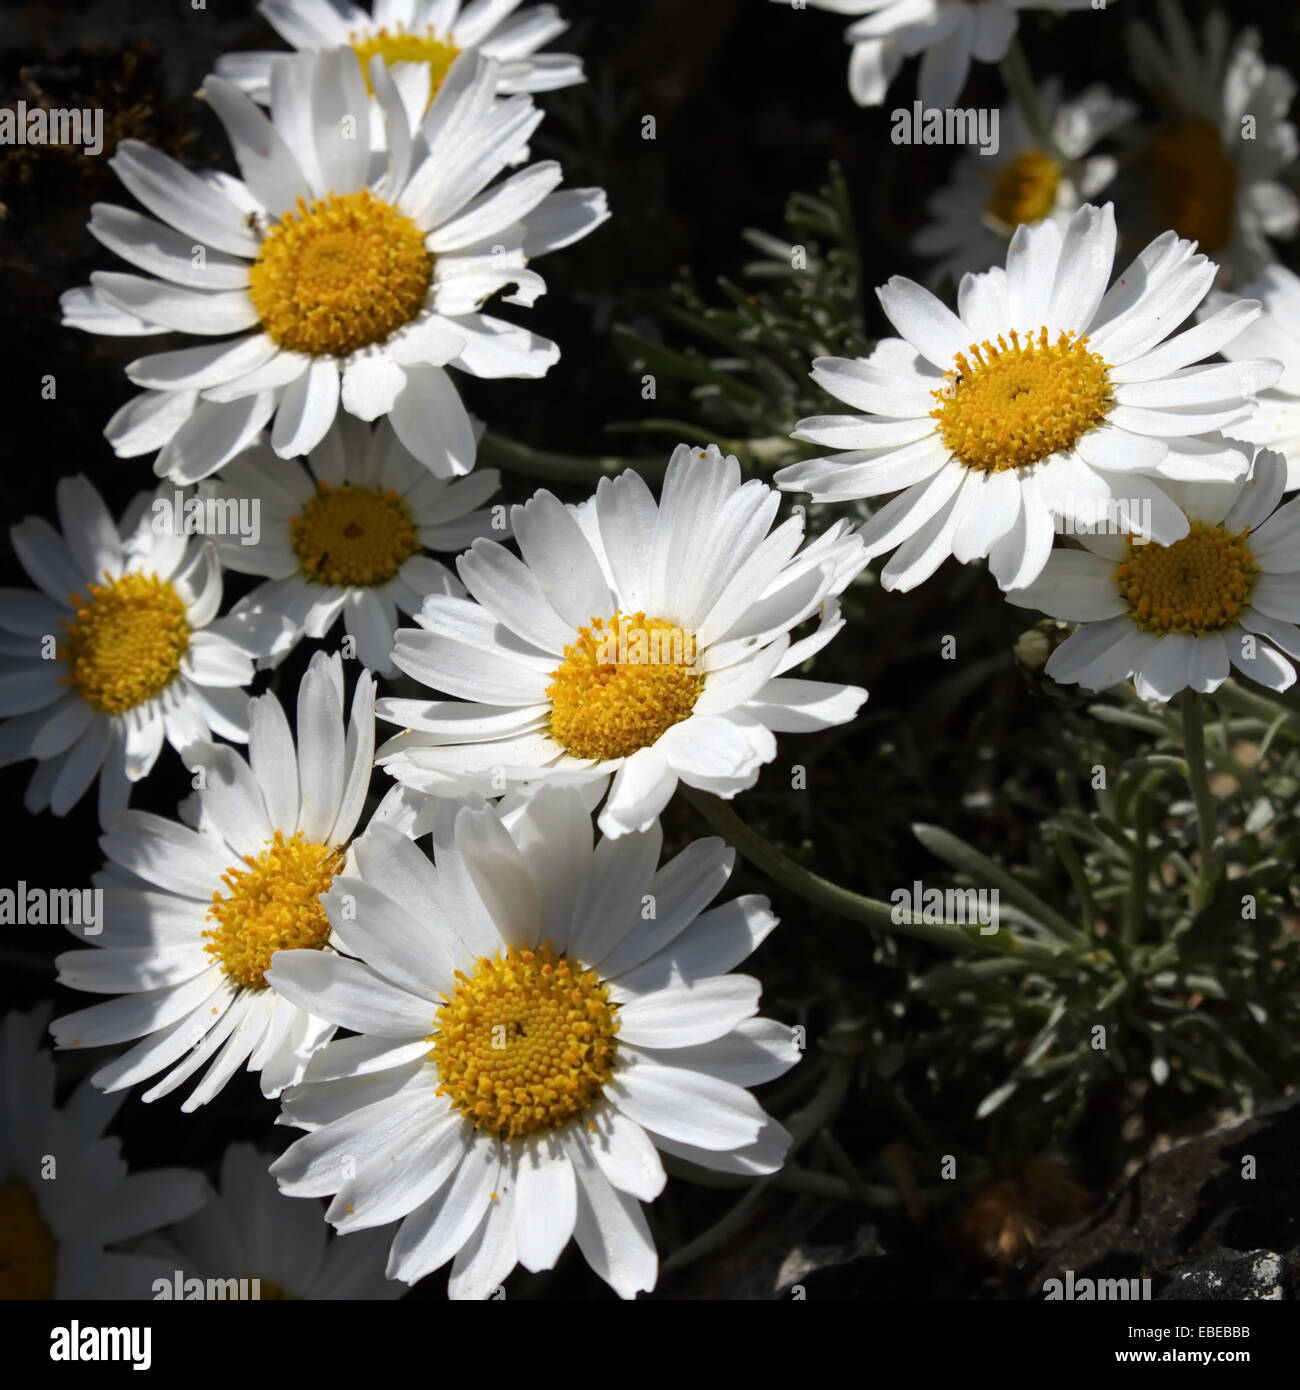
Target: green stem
{"type": "Point", "coordinates": [819, 1111]}
{"type": "Point", "coordinates": [719, 1233]}
{"type": "Point", "coordinates": [1237, 698]}
{"type": "Point", "coordinates": [1020, 83]}
{"type": "Point", "coordinates": [838, 190]}
{"type": "Point", "coordinates": [1262, 751]}
{"type": "Point", "coordinates": [1069, 856]}
{"type": "Point", "coordinates": [1135, 902]}
{"type": "Point", "coordinates": [766, 451]}
{"type": "Point", "coordinates": [495, 451]}
{"type": "Point", "coordinates": [803, 1182]}
{"type": "Point", "coordinates": [845, 1167]}
{"type": "Point", "coordinates": [1198, 780]}
{"type": "Point", "coordinates": [853, 907]}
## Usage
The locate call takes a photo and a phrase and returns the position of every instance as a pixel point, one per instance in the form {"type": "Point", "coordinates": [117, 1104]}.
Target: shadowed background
{"type": "Point", "coordinates": [750, 103]}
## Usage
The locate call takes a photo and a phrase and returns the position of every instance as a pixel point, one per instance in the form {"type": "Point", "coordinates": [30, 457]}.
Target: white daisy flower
{"type": "Point", "coordinates": [1276, 333]}
{"type": "Point", "coordinates": [536, 1019]}
{"type": "Point", "coordinates": [65, 1193]}
{"type": "Point", "coordinates": [416, 813]}
{"type": "Point", "coordinates": [118, 651]}
{"type": "Point", "coordinates": [1215, 163]}
{"type": "Point", "coordinates": [647, 641]}
{"type": "Point", "coordinates": [346, 534]}
{"type": "Point", "coordinates": [1177, 617]}
{"type": "Point", "coordinates": [948, 32]}
{"type": "Point", "coordinates": [192, 916]}
{"type": "Point", "coordinates": [347, 279]}
{"type": "Point", "coordinates": [248, 1231]}
{"type": "Point", "coordinates": [420, 39]}
{"type": "Point", "coordinates": [989, 196]}
{"type": "Point", "coordinates": [1046, 396]}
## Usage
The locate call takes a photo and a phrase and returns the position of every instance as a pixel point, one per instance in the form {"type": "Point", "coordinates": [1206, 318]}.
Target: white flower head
{"type": "Point", "coordinates": [647, 640]}
{"type": "Point", "coordinates": [193, 916]}
{"type": "Point", "coordinates": [248, 1231]}
{"type": "Point", "coordinates": [347, 278]}
{"type": "Point", "coordinates": [948, 33]}
{"type": "Point", "coordinates": [67, 1200]}
{"type": "Point", "coordinates": [121, 649]}
{"type": "Point", "coordinates": [345, 534]}
{"type": "Point", "coordinates": [417, 813]}
{"type": "Point", "coordinates": [990, 195]}
{"type": "Point", "coordinates": [1046, 396]}
{"type": "Point", "coordinates": [419, 40]}
{"type": "Point", "coordinates": [537, 1020]}
{"type": "Point", "coordinates": [1178, 617]}
{"type": "Point", "coordinates": [1215, 163]}
{"type": "Point", "coordinates": [1275, 333]}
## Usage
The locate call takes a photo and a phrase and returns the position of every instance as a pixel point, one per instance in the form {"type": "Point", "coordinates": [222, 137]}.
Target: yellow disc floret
{"type": "Point", "coordinates": [622, 684]}
{"type": "Point", "coordinates": [339, 275]}
{"type": "Point", "coordinates": [400, 45]}
{"type": "Point", "coordinates": [1024, 191]}
{"type": "Point", "coordinates": [1199, 584]}
{"type": "Point", "coordinates": [273, 904]}
{"type": "Point", "coordinates": [127, 641]}
{"type": "Point", "coordinates": [353, 535]}
{"type": "Point", "coordinates": [1017, 403]}
{"type": "Point", "coordinates": [525, 1042]}
{"type": "Point", "coordinates": [1195, 184]}
{"type": "Point", "coordinates": [28, 1250]}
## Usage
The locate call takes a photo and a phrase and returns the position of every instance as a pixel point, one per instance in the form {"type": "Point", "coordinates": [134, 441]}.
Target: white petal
{"type": "Point", "coordinates": [350, 994]}
{"type": "Point", "coordinates": [207, 312]}
{"type": "Point", "coordinates": [306, 409]}
{"type": "Point", "coordinates": [611, 1228]}
{"type": "Point", "coordinates": [430, 419]}
{"type": "Point", "coordinates": [686, 1014]}
{"type": "Point", "coordinates": [924, 321]}
{"type": "Point", "coordinates": [182, 199]}
{"type": "Point", "coordinates": [685, 1105]}
{"type": "Point", "coordinates": [546, 1202]}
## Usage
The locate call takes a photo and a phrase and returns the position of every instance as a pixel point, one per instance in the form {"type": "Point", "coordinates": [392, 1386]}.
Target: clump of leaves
{"type": "Point", "coordinates": [1176, 943]}
{"type": "Point", "coordinates": [125, 84]}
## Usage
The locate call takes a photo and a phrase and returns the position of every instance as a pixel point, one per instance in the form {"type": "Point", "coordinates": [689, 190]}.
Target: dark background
{"type": "Point", "coordinates": [751, 104]}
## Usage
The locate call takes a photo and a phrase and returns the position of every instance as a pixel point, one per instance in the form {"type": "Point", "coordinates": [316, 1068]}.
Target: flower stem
{"type": "Point", "coordinates": [819, 1111]}
{"type": "Point", "coordinates": [496, 451]}
{"type": "Point", "coordinates": [1135, 900]}
{"type": "Point", "coordinates": [1198, 780]}
{"type": "Point", "coordinates": [1020, 83]}
{"type": "Point", "coordinates": [1237, 698]}
{"type": "Point", "coordinates": [853, 907]}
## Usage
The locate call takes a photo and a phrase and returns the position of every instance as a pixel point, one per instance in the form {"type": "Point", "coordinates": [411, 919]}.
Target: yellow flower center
{"type": "Point", "coordinates": [28, 1250]}
{"type": "Point", "coordinates": [1199, 584]}
{"type": "Point", "coordinates": [127, 641]}
{"type": "Point", "coordinates": [406, 46]}
{"type": "Point", "coordinates": [272, 905]}
{"type": "Point", "coordinates": [1009, 406]}
{"type": "Point", "coordinates": [339, 275]}
{"type": "Point", "coordinates": [1024, 190]}
{"type": "Point", "coordinates": [353, 535]}
{"type": "Point", "coordinates": [621, 685]}
{"type": "Point", "coordinates": [526, 1042]}
{"type": "Point", "coordinates": [1195, 184]}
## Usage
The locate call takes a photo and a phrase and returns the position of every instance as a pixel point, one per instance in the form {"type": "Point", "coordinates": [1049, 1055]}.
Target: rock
{"type": "Point", "coordinates": [1232, 1274]}
{"type": "Point", "coordinates": [1216, 1217]}
{"type": "Point", "coordinates": [804, 1260]}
